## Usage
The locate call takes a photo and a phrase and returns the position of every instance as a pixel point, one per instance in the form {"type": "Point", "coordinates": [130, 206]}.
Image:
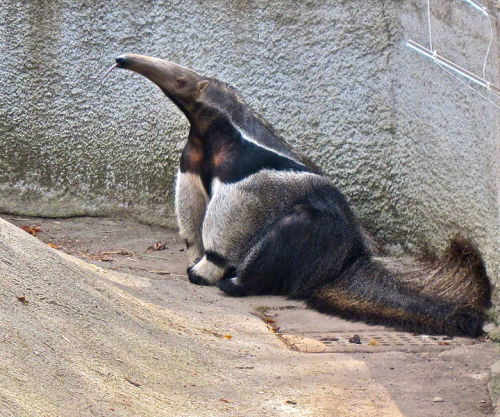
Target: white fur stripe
{"type": "Point", "coordinates": [250, 139]}
{"type": "Point", "coordinates": [208, 270]}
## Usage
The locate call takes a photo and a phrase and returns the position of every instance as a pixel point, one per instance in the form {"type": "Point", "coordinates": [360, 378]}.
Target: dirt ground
{"type": "Point", "coordinates": [423, 377]}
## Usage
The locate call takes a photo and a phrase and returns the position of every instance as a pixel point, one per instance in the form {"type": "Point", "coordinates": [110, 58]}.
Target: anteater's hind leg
{"type": "Point", "coordinates": [296, 253]}
{"type": "Point", "coordinates": [232, 286]}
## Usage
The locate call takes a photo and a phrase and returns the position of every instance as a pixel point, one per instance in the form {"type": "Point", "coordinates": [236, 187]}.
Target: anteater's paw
{"type": "Point", "coordinates": [231, 286]}
{"type": "Point", "coordinates": [197, 279]}
{"type": "Point", "coordinates": [192, 265]}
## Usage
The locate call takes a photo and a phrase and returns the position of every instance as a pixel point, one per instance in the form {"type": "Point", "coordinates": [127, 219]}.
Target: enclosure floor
{"type": "Point", "coordinates": [410, 370]}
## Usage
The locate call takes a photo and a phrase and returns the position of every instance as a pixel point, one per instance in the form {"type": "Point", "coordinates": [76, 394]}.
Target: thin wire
{"type": "Point", "coordinates": [485, 11]}
{"type": "Point", "coordinates": [485, 58]}
{"type": "Point", "coordinates": [450, 65]}
{"type": "Point", "coordinates": [468, 86]}
{"type": "Point", "coordinates": [489, 46]}
{"type": "Point", "coordinates": [113, 67]}
{"type": "Point", "coordinates": [429, 23]}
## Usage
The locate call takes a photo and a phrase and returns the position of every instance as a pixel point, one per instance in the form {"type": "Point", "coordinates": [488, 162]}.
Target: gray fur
{"type": "Point", "coordinates": [191, 202]}
{"type": "Point", "coordinates": [260, 221]}
{"type": "Point", "coordinates": [237, 211]}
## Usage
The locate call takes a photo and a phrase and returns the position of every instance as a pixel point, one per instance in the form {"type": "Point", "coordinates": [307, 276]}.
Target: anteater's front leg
{"type": "Point", "coordinates": [235, 214]}
{"type": "Point", "coordinates": [190, 206]}
{"type": "Point", "coordinates": [223, 232]}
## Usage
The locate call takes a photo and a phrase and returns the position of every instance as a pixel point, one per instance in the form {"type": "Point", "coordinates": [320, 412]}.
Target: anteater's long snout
{"type": "Point", "coordinates": [137, 63]}
{"type": "Point", "coordinates": [121, 61]}
{"type": "Point", "coordinates": [160, 71]}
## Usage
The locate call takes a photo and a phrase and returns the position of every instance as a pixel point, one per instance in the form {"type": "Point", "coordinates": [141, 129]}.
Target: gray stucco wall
{"type": "Point", "coordinates": [412, 148]}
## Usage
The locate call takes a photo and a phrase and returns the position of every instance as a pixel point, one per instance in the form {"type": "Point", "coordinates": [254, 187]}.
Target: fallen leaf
{"type": "Point", "coordinates": [373, 342]}
{"type": "Point", "coordinates": [32, 230]}
{"type": "Point", "coordinates": [158, 246]}
{"type": "Point", "coordinates": [54, 246]}
{"type": "Point", "coordinates": [268, 320]}
{"type": "Point", "coordinates": [444, 343]}
{"type": "Point", "coordinates": [224, 400]}
{"type": "Point", "coordinates": [227, 336]}
{"type": "Point", "coordinates": [99, 257]}
{"type": "Point", "coordinates": [23, 299]}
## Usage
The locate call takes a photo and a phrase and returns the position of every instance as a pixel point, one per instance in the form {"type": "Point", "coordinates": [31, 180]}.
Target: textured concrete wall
{"type": "Point", "coordinates": [412, 148]}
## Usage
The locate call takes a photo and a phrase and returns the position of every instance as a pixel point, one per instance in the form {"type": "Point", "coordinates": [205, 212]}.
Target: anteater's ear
{"type": "Point", "coordinates": [202, 85]}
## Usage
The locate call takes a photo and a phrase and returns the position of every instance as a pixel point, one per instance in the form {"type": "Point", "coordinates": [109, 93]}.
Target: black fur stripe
{"type": "Point", "coordinates": [252, 159]}
{"type": "Point", "coordinates": [216, 259]}
{"type": "Point", "coordinates": [241, 157]}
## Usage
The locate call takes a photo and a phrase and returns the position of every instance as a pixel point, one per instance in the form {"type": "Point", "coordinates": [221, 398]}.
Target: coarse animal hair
{"type": "Point", "coordinates": [257, 219]}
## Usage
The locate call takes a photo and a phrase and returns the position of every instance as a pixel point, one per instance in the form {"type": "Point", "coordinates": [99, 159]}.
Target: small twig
{"type": "Point", "coordinates": [135, 384]}
{"type": "Point", "coordinates": [160, 272]}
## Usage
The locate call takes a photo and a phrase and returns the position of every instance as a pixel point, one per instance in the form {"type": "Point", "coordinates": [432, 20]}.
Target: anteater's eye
{"type": "Point", "coordinates": [181, 82]}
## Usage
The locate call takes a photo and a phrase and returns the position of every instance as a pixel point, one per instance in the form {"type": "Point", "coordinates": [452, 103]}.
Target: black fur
{"type": "Point", "coordinates": [236, 157]}
{"type": "Point", "coordinates": [226, 100]}
{"type": "Point", "coordinates": [314, 241]}
{"type": "Point", "coordinates": [216, 258]}
{"type": "Point", "coordinates": [317, 251]}
{"type": "Point", "coordinates": [369, 282]}
{"type": "Point", "coordinates": [244, 158]}
{"type": "Point", "coordinates": [196, 279]}
{"type": "Point", "coordinates": [231, 288]}
{"type": "Point", "coordinates": [318, 246]}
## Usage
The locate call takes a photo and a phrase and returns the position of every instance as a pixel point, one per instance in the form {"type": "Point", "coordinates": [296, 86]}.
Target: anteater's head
{"type": "Point", "coordinates": [183, 86]}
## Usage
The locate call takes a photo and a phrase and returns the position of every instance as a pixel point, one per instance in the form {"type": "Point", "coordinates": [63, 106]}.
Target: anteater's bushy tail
{"type": "Point", "coordinates": [444, 296]}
